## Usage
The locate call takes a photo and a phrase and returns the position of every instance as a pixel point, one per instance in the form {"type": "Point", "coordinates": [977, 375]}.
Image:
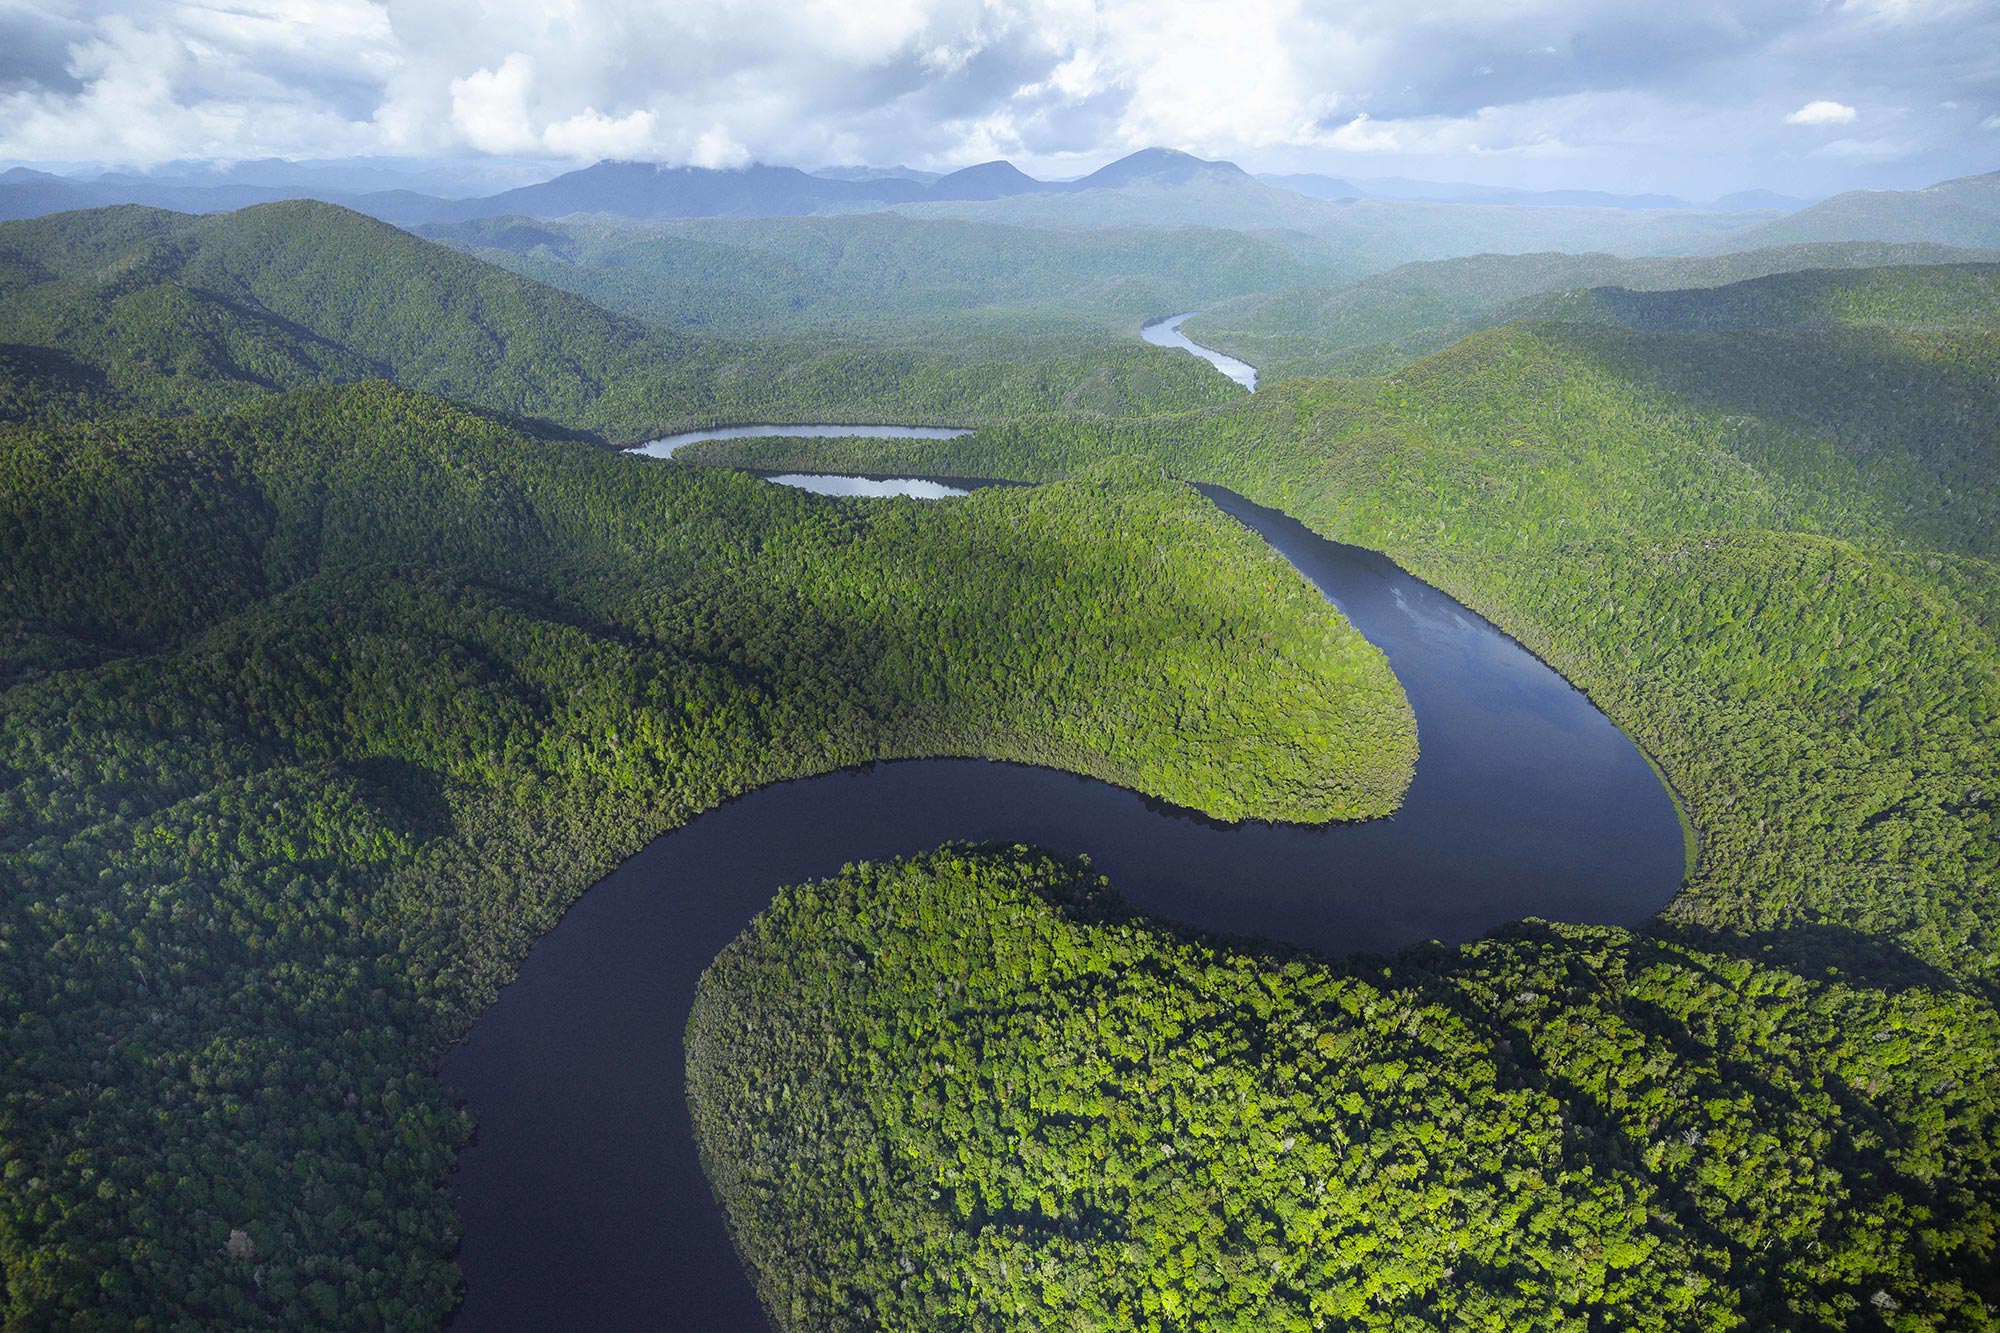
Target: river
{"type": "Point", "coordinates": [666, 445]}
{"type": "Point", "coordinates": [583, 1200]}
{"type": "Point", "coordinates": [1167, 333]}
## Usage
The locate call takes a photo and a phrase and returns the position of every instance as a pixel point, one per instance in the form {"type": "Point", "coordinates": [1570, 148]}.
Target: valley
{"type": "Point", "coordinates": [730, 747]}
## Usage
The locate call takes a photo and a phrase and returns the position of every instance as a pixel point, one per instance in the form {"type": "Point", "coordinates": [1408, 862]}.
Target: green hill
{"type": "Point", "coordinates": [1930, 296]}
{"type": "Point", "coordinates": [879, 272]}
{"type": "Point", "coordinates": [318, 713]}
{"type": "Point", "coordinates": [131, 310]}
{"type": "Point", "coordinates": [1391, 319]}
{"type": "Point", "coordinates": [1360, 236]}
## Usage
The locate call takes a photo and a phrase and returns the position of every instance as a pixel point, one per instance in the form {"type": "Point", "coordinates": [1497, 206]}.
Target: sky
{"type": "Point", "coordinates": [1694, 97]}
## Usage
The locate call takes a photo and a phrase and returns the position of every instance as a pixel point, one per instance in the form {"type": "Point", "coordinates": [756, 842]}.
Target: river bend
{"type": "Point", "coordinates": [583, 1200]}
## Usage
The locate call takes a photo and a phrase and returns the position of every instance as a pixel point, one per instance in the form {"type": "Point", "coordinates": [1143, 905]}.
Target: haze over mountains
{"type": "Point", "coordinates": [1368, 224]}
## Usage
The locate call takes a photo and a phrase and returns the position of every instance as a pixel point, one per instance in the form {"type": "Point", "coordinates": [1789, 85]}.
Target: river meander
{"type": "Point", "coordinates": [583, 1200]}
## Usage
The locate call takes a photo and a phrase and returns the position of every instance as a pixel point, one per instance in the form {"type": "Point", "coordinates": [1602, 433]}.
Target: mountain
{"type": "Point", "coordinates": [151, 311]}
{"type": "Point", "coordinates": [863, 173]}
{"type": "Point", "coordinates": [1314, 186]}
{"type": "Point", "coordinates": [1159, 166]}
{"type": "Point", "coordinates": [988, 180]}
{"type": "Point", "coordinates": [649, 190]}
{"type": "Point", "coordinates": [646, 191]}
{"type": "Point", "coordinates": [40, 194]}
{"type": "Point", "coordinates": [1759, 201]}
{"type": "Point", "coordinates": [1389, 319]}
{"type": "Point", "coordinates": [1965, 211]}
{"type": "Point", "coordinates": [341, 178]}
{"type": "Point", "coordinates": [882, 274]}
{"type": "Point", "coordinates": [1461, 192]}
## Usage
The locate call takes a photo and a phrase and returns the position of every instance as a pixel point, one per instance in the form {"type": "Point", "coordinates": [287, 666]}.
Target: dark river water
{"type": "Point", "coordinates": [583, 1201]}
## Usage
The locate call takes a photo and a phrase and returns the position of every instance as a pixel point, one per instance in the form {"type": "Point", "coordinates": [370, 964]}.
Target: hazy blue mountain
{"type": "Point", "coordinates": [1160, 166]}
{"type": "Point", "coordinates": [1965, 211]}
{"type": "Point", "coordinates": [34, 196]}
{"type": "Point", "coordinates": [866, 173]}
{"type": "Point", "coordinates": [1312, 185]}
{"type": "Point", "coordinates": [346, 177]}
{"type": "Point", "coordinates": [988, 180]}
{"type": "Point", "coordinates": [1751, 201]}
{"type": "Point", "coordinates": [1463, 192]}
{"type": "Point", "coordinates": [649, 190]}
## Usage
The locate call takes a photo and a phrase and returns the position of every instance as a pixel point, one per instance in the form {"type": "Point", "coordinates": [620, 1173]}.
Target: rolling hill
{"type": "Point", "coordinates": [1388, 320]}
{"type": "Point", "coordinates": [1962, 212]}
{"type": "Point", "coordinates": [879, 271]}
{"type": "Point", "coordinates": [131, 311]}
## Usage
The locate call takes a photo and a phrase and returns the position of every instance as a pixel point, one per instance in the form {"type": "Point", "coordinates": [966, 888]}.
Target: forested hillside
{"type": "Point", "coordinates": [1770, 558]}
{"type": "Point", "coordinates": [1386, 321]}
{"type": "Point", "coordinates": [129, 310]}
{"type": "Point", "coordinates": [1965, 211]}
{"type": "Point", "coordinates": [317, 714]}
{"type": "Point", "coordinates": [881, 272]}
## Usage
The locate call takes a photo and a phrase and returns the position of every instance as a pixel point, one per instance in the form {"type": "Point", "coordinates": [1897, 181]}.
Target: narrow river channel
{"type": "Point", "coordinates": [1167, 333]}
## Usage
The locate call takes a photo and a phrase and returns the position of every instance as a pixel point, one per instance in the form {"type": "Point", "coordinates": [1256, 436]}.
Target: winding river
{"type": "Point", "coordinates": [583, 1200]}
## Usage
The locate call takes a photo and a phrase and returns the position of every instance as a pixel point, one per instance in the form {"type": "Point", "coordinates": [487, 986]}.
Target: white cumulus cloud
{"type": "Point", "coordinates": [1622, 93]}
{"type": "Point", "coordinates": [1822, 113]}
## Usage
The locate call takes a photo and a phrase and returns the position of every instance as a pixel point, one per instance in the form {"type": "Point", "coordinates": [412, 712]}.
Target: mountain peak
{"type": "Point", "coordinates": [988, 180]}
{"type": "Point", "coordinates": [1164, 166]}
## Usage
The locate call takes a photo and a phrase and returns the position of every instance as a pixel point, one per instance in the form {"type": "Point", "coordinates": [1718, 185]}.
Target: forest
{"type": "Point", "coordinates": [1385, 321]}
{"type": "Point", "coordinates": [340, 656]}
{"type": "Point", "coordinates": [319, 712]}
{"type": "Point", "coordinates": [133, 311]}
{"type": "Point", "coordinates": [1777, 1105]}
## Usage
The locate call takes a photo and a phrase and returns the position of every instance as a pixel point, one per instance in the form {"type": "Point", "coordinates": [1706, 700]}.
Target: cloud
{"type": "Point", "coordinates": [1598, 91]}
{"type": "Point", "coordinates": [1822, 113]}
{"type": "Point", "coordinates": [1990, 123]}
{"type": "Point", "coordinates": [489, 107]}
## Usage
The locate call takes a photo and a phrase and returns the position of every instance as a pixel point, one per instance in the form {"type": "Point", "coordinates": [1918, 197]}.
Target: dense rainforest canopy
{"type": "Point", "coordinates": [1769, 557]}
{"type": "Point", "coordinates": [319, 712]}
{"type": "Point", "coordinates": [324, 695]}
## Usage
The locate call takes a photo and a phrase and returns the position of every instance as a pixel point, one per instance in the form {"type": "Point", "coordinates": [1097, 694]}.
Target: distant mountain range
{"type": "Point", "coordinates": [1461, 192]}
{"type": "Point", "coordinates": [1379, 221]}
{"type": "Point", "coordinates": [642, 190]}
{"type": "Point", "coordinates": [1965, 211]}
